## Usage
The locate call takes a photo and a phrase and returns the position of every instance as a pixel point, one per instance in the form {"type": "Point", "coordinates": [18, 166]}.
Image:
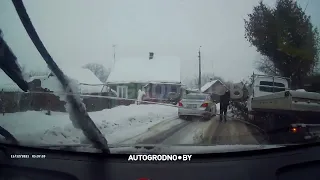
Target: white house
{"type": "Point", "coordinates": [160, 74]}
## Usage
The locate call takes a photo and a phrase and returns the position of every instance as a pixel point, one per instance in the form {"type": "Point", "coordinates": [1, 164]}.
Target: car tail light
{"type": "Point", "coordinates": [295, 129]}
{"type": "Point", "coordinates": [204, 105]}
{"type": "Point", "coordinates": [180, 104]}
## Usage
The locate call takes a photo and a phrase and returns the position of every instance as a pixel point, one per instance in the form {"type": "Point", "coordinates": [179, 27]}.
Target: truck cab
{"type": "Point", "coordinates": [264, 85]}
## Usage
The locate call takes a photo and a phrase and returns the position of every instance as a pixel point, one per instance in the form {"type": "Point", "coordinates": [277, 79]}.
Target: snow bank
{"type": "Point", "coordinates": [116, 124]}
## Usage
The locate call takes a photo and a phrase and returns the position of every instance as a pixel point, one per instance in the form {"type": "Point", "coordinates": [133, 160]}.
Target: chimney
{"type": "Point", "coordinates": [151, 55]}
{"type": "Point", "coordinates": [211, 79]}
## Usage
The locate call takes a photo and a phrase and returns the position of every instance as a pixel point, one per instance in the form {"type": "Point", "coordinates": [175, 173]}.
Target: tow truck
{"type": "Point", "coordinates": [285, 115]}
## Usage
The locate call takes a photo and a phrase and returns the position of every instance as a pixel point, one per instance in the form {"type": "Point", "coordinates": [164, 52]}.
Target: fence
{"type": "Point", "coordinates": [11, 102]}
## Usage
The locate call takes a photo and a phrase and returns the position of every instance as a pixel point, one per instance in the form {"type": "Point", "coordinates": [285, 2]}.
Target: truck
{"type": "Point", "coordinates": [285, 115]}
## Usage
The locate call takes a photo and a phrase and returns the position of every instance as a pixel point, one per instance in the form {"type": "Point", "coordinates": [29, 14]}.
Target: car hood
{"type": "Point", "coordinates": [162, 149]}
{"type": "Point", "coordinates": [186, 149]}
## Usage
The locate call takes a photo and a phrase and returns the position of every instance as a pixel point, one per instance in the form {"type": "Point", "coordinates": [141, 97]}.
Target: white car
{"type": "Point", "coordinates": [197, 104]}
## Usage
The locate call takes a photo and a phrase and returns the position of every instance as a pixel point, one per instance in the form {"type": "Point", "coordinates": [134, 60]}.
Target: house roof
{"type": "Point", "coordinates": [143, 70]}
{"type": "Point", "coordinates": [6, 84]}
{"type": "Point", "coordinates": [81, 75]}
{"type": "Point", "coordinates": [209, 84]}
{"type": "Point", "coordinates": [88, 82]}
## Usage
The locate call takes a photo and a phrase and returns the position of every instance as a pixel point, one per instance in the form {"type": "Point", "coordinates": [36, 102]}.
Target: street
{"type": "Point", "coordinates": [212, 132]}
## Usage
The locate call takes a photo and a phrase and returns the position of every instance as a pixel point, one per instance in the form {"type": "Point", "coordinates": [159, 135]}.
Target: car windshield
{"type": "Point", "coordinates": [111, 74]}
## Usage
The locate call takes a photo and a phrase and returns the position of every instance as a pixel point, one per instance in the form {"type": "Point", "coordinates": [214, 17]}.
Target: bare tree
{"type": "Point", "coordinates": [99, 70]}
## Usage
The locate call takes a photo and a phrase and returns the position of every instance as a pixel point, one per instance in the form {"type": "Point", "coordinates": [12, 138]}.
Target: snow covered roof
{"type": "Point", "coordinates": [208, 85]}
{"type": "Point", "coordinates": [81, 75]}
{"type": "Point", "coordinates": [54, 85]}
{"type": "Point", "coordinates": [143, 70]}
{"type": "Point", "coordinates": [6, 84]}
{"type": "Point", "coordinates": [88, 82]}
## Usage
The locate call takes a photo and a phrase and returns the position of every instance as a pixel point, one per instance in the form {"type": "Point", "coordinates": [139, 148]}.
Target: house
{"type": "Point", "coordinates": [86, 82]}
{"type": "Point", "coordinates": [214, 87]}
{"type": "Point", "coordinates": [157, 76]}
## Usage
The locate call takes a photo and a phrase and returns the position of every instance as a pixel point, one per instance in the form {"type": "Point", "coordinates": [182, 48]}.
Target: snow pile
{"type": "Point", "coordinates": [116, 124]}
{"type": "Point", "coordinates": [143, 70]}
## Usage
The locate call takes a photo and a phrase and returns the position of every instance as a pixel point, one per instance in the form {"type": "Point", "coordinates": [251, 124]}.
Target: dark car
{"type": "Point", "coordinates": [173, 98]}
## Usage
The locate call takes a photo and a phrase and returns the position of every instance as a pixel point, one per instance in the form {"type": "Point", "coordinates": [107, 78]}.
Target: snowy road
{"type": "Point", "coordinates": [140, 124]}
{"type": "Point", "coordinates": [234, 131]}
{"type": "Point", "coordinates": [207, 133]}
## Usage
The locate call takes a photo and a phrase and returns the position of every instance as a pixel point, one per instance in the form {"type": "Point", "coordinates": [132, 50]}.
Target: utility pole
{"type": "Point", "coordinates": [199, 82]}
{"type": "Point", "coordinates": [114, 53]}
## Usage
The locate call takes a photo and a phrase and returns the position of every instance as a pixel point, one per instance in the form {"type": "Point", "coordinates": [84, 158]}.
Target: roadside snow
{"type": "Point", "coordinates": [117, 124]}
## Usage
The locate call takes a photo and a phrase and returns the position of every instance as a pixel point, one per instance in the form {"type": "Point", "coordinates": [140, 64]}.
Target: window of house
{"type": "Point", "coordinates": [122, 91]}
{"type": "Point", "coordinates": [158, 89]}
{"type": "Point", "coordinates": [173, 89]}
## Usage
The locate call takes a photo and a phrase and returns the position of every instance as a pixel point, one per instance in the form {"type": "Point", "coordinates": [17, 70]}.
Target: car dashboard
{"type": "Point", "coordinates": [284, 163]}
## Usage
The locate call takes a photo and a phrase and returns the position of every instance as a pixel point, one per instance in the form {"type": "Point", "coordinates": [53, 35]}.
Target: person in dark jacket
{"type": "Point", "coordinates": [224, 103]}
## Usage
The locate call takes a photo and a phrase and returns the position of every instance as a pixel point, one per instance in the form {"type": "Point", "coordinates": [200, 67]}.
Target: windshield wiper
{"type": "Point", "coordinates": [8, 136]}
{"type": "Point", "coordinates": [9, 65]}
{"type": "Point", "coordinates": [78, 114]}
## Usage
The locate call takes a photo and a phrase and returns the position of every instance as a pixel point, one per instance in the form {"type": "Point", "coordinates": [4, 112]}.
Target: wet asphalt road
{"type": "Point", "coordinates": [234, 131]}
{"type": "Point", "coordinates": [212, 132]}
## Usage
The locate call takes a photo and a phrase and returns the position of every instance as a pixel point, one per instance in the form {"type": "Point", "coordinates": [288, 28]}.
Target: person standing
{"type": "Point", "coordinates": [224, 103]}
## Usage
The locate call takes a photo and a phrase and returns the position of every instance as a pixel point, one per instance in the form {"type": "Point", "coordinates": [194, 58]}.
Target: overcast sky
{"type": "Point", "coordinates": [76, 32]}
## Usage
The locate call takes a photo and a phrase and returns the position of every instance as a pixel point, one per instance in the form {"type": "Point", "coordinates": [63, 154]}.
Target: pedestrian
{"type": "Point", "coordinates": [224, 103]}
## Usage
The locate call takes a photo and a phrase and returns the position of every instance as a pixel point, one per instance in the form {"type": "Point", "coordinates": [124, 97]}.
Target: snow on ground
{"type": "Point", "coordinates": [117, 124]}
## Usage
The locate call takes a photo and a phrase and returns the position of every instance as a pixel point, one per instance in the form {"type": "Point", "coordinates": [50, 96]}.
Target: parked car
{"type": "Point", "coordinates": [173, 98]}
{"type": "Point", "coordinates": [197, 104]}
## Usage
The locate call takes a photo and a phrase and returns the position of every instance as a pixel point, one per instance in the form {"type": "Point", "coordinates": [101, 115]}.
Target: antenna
{"type": "Point", "coordinates": [114, 53]}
